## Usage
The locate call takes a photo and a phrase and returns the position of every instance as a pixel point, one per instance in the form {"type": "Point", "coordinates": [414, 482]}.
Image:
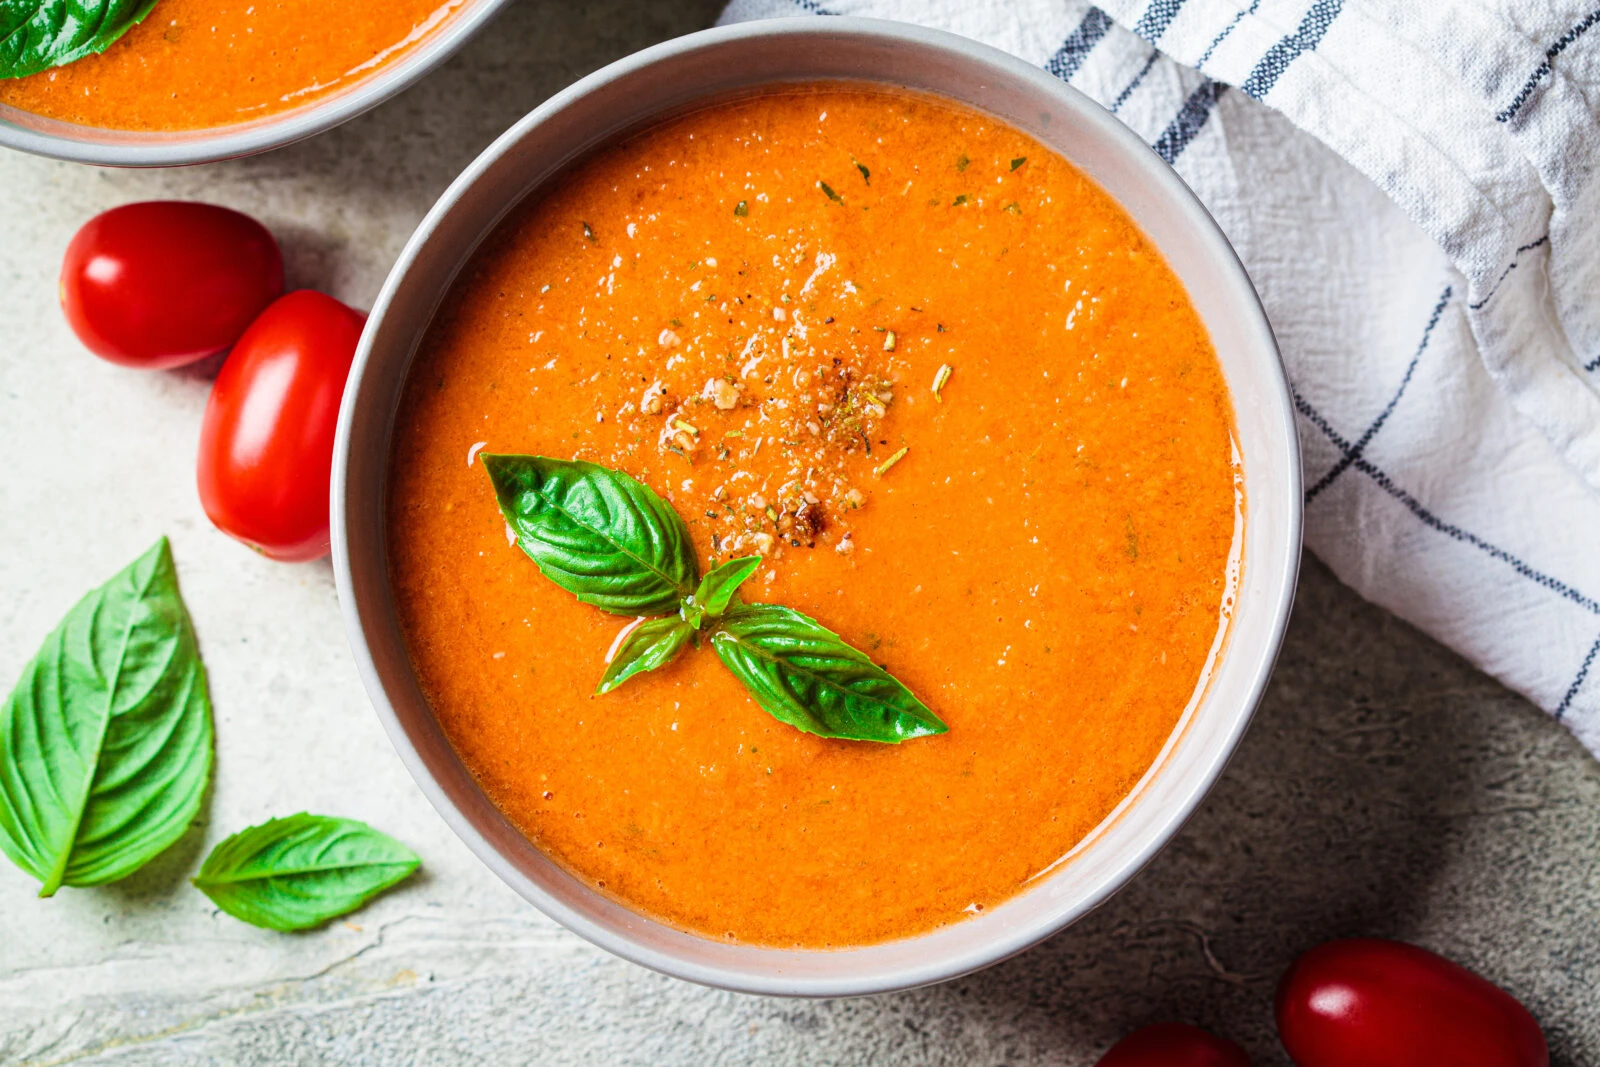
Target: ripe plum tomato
{"type": "Point", "coordinates": [166, 282]}
{"type": "Point", "coordinates": [1371, 1003]}
{"type": "Point", "coordinates": [1174, 1045]}
{"type": "Point", "coordinates": [266, 446]}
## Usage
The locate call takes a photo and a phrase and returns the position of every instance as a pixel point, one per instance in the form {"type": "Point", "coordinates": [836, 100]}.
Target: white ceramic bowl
{"type": "Point", "coordinates": [730, 60]}
{"type": "Point", "coordinates": [122, 148]}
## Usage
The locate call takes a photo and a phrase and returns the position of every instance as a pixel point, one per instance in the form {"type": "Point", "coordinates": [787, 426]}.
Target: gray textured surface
{"type": "Point", "coordinates": [1386, 788]}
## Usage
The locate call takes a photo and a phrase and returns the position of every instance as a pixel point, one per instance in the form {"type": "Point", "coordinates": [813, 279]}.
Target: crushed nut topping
{"type": "Point", "coordinates": [723, 393]}
{"type": "Point", "coordinates": [654, 400]}
{"type": "Point", "coordinates": [772, 388]}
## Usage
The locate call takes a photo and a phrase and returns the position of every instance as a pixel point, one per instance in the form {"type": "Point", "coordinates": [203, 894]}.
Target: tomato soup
{"type": "Point", "coordinates": [939, 380]}
{"type": "Point", "coordinates": [197, 64]}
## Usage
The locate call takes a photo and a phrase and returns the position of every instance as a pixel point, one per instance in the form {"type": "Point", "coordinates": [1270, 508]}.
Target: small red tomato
{"type": "Point", "coordinates": [1371, 1003]}
{"type": "Point", "coordinates": [1174, 1045]}
{"type": "Point", "coordinates": [167, 282]}
{"type": "Point", "coordinates": [266, 446]}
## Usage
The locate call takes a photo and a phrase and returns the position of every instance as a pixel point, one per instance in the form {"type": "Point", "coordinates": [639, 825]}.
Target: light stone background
{"type": "Point", "coordinates": [1386, 787]}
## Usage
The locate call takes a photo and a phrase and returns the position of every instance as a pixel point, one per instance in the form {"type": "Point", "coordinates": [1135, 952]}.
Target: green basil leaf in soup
{"type": "Point", "coordinates": [105, 743]}
{"type": "Point", "coordinates": [651, 644]}
{"type": "Point", "coordinates": [299, 872]}
{"type": "Point", "coordinates": [36, 35]}
{"type": "Point", "coordinates": [717, 589]}
{"type": "Point", "coordinates": [805, 675]}
{"type": "Point", "coordinates": [597, 533]}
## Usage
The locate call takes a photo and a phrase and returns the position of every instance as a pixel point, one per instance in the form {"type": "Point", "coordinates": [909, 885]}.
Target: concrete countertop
{"type": "Point", "coordinates": [1386, 788]}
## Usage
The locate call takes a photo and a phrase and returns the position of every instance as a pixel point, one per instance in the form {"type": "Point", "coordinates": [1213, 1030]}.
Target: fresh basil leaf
{"type": "Point", "coordinates": [105, 743]}
{"type": "Point", "coordinates": [805, 675]}
{"type": "Point", "coordinates": [653, 643]}
{"type": "Point", "coordinates": [36, 35]}
{"type": "Point", "coordinates": [597, 533]}
{"type": "Point", "coordinates": [299, 872]}
{"type": "Point", "coordinates": [717, 588]}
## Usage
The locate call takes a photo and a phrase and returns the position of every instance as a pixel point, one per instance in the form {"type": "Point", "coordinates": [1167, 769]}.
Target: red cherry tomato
{"type": "Point", "coordinates": [1370, 1003]}
{"type": "Point", "coordinates": [1174, 1045]}
{"type": "Point", "coordinates": [266, 446]}
{"type": "Point", "coordinates": [164, 283]}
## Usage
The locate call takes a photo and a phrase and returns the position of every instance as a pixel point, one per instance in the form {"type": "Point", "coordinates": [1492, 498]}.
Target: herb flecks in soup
{"type": "Point", "coordinates": [196, 64]}
{"type": "Point", "coordinates": [967, 413]}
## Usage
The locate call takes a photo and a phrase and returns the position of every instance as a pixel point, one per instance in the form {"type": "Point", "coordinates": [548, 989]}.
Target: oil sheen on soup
{"type": "Point", "coordinates": [788, 275]}
{"type": "Point", "coordinates": [197, 64]}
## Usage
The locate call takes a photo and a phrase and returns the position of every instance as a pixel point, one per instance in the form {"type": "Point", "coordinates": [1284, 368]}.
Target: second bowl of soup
{"type": "Point", "coordinates": [197, 81]}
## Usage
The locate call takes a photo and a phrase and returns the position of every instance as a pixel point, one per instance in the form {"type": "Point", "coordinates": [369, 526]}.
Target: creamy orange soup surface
{"type": "Point", "coordinates": [1045, 566]}
{"type": "Point", "coordinates": [196, 64]}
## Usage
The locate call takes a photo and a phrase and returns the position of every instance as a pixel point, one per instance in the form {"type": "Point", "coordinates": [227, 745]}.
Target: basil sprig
{"type": "Point", "coordinates": [614, 543]}
{"type": "Point", "coordinates": [297, 873]}
{"type": "Point", "coordinates": [105, 743]}
{"type": "Point", "coordinates": [36, 35]}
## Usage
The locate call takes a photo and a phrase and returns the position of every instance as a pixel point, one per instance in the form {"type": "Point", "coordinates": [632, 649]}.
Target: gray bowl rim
{"type": "Point", "coordinates": [1282, 579]}
{"type": "Point", "coordinates": [181, 148]}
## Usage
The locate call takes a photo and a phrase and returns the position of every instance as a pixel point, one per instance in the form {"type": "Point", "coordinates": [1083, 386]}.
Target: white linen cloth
{"type": "Point", "coordinates": [1413, 187]}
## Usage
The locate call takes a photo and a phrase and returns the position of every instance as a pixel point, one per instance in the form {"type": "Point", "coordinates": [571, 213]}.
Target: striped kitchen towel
{"type": "Point", "coordinates": [1415, 189]}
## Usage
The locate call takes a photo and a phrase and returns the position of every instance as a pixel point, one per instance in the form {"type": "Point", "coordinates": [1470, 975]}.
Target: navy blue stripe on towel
{"type": "Point", "coordinates": [1156, 18]}
{"type": "Point", "coordinates": [1079, 43]}
{"type": "Point", "coordinates": [1509, 268]}
{"type": "Point", "coordinates": [1222, 35]}
{"type": "Point", "coordinates": [1354, 452]}
{"type": "Point", "coordinates": [1190, 120]}
{"type": "Point", "coordinates": [1138, 79]}
{"type": "Point", "coordinates": [1432, 521]}
{"type": "Point", "coordinates": [1577, 682]}
{"type": "Point", "coordinates": [1543, 71]}
{"type": "Point", "coordinates": [1302, 40]}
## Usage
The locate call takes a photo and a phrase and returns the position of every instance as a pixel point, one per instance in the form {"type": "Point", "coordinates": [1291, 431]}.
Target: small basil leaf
{"type": "Point", "coordinates": [105, 743]}
{"type": "Point", "coordinates": [36, 35]}
{"type": "Point", "coordinates": [299, 872]}
{"type": "Point", "coordinates": [597, 533]}
{"type": "Point", "coordinates": [805, 675]}
{"type": "Point", "coordinates": [653, 643]}
{"type": "Point", "coordinates": [717, 588]}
